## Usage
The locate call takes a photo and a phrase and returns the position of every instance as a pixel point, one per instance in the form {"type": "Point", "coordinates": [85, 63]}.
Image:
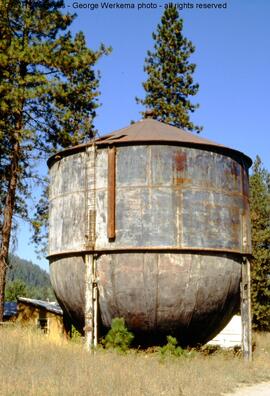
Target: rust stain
{"type": "Point", "coordinates": [245, 185]}
{"type": "Point", "coordinates": [180, 161]}
{"type": "Point", "coordinates": [234, 169]}
{"type": "Point", "coordinates": [138, 320]}
{"type": "Point", "coordinates": [181, 180]}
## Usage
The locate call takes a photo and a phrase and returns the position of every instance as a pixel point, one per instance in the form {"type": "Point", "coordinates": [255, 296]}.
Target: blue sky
{"type": "Point", "coordinates": [233, 63]}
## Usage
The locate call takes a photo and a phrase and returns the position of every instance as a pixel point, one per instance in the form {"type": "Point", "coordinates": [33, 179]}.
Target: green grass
{"type": "Point", "coordinates": [32, 364]}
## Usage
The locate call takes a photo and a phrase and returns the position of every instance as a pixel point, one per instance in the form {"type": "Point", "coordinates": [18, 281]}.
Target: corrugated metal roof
{"type": "Point", "coordinates": [153, 131]}
{"type": "Point", "coordinates": [49, 306]}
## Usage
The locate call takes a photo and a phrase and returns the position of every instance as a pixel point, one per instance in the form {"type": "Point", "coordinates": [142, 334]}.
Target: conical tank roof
{"type": "Point", "coordinates": [153, 132]}
{"type": "Point", "coordinates": [149, 130]}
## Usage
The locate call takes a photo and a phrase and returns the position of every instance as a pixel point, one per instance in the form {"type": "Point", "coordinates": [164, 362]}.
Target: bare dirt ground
{"type": "Point", "coordinates": [253, 390]}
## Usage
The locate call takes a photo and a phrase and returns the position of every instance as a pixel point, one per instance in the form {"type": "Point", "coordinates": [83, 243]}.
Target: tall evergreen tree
{"type": "Point", "coordinates": [260, 264]}
{"type": "Point", "coordinates": [170, 83]}
{"type": "Point", "coordinates": [48, 98]}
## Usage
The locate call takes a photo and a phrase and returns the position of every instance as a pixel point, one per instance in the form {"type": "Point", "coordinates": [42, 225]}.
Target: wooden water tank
{"type": "Point", "coordinates": [166, 215]}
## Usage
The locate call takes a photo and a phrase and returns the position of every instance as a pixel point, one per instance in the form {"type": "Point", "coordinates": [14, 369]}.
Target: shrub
{"type": "Point", "coordinates": [75, 335]}
{"type": "Point", "coordinates": [171, 349]}
{"type": "Point", "coordinates": [118, 336]}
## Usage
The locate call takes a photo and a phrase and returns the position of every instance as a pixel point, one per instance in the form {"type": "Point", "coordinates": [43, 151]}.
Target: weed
{"type": "Point", "coordinates": [76, 335]}
{"type": "Point", "coordinates": [208, 349]}
{"type": "Point", "coordinates": [171, 349]}
{"type": "Point", "coordinates": [118, 336]}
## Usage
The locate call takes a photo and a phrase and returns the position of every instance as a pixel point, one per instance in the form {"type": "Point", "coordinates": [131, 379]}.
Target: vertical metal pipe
{"type": "Point", "coordinates": [95, 298]}
{"type": "Point", "coordinates": [95, 301]}
{"type": "Point", "coordinates": [246, 311]}
{"type": "Point", "coordinates": [111, 193]}
{"type": "Point", "coordinates": [88, 312]}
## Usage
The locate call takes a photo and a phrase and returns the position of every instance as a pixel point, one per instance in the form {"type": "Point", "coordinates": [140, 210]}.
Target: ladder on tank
{"type": "Point", "coordinates": [91, 290]}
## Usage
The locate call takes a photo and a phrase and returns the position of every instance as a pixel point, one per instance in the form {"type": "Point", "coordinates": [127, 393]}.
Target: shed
{"type": "Point", "coordinates": [47, 316]}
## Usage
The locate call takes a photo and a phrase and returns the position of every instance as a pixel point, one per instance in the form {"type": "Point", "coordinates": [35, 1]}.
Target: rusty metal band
{"type": "Point", "coordinates": [235, 154]}
{"type": "Point", "coordinates": [149, 250]}
{"type": "Point", "coordinates": [111, 194]}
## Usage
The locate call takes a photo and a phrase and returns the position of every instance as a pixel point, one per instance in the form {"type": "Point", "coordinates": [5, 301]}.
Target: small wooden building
{"type": "Point", "coordinates": [46, 316]}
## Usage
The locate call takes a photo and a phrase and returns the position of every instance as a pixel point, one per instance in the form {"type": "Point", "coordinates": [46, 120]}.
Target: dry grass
{"type": "Point", "coordinates": [31, 364]}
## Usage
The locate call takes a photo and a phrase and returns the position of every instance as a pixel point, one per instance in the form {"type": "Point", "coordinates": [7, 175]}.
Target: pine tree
{"type": "Point", "coordinates": [48, 98]}
{"type": "Point", "coordinates": [170, 83]}
{"type": "Point", "coordinates": [17, 288]}
{"type": "Point", "coordinates": [260, 264]}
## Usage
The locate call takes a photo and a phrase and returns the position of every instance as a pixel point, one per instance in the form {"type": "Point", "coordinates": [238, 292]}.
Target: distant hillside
{"type": "Point", "coordinates": [27, 272]}
{"type": "Point", "coordinates": [26, 279]}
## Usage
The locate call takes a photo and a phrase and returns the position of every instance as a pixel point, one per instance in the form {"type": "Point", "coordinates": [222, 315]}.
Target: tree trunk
{"type": "Point", "coordinates": [7, 221]}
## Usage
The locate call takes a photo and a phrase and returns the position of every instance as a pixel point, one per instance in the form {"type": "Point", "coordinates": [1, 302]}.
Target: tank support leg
{"type": "Point", "coordinates": [246, 311]}
{"type": "Point", "coordinates": [95, 302]}
{"type": "Point", "coordinates": [91, 303]}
